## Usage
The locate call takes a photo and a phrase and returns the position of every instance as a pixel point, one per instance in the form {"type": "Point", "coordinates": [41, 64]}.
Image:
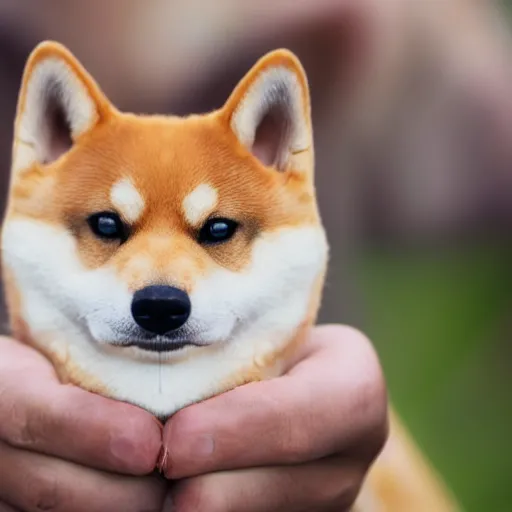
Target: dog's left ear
{"type": "Point", "coordinates": [269, 112]}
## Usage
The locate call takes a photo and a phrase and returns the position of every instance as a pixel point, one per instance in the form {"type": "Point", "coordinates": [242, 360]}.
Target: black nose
{"type": "Point", "coordinates": [160, 309]}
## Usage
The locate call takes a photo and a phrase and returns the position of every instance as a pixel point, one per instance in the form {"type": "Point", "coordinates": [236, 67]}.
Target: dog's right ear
{"type": "Point", "coordinates": [58, 102]}
{"type": "Point", "coordinates": [270, 114]}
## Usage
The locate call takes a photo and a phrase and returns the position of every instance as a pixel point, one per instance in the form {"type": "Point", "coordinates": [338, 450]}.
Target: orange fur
{"type": "Point", "coordinates": [402, 480]}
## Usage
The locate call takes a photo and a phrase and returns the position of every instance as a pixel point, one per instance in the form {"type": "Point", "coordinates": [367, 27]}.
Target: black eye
{"type": "Point", "coordinates": [107, 225]}
{"type": "Point", "coordinates": [217, 231]}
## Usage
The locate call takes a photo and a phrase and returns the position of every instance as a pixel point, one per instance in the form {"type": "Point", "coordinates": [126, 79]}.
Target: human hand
{"type": "Point", "coordinates": [300, 442]}
{"type": "Point", "coordinates": [64, 449]}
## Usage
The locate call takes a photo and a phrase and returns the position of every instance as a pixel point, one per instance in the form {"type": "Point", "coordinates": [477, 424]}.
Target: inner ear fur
{"type": "Point", "coordinates": [270, 114]}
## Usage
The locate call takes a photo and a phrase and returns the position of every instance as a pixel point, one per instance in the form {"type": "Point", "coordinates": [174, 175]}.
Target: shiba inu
{"type": "Point", "coordinates": [163, 260]}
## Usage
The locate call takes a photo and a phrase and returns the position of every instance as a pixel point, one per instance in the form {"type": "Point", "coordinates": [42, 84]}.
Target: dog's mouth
{"type": "Point", "coordinates": [162, 345]}
{"type": "Point", "coordinates": [169, 343]}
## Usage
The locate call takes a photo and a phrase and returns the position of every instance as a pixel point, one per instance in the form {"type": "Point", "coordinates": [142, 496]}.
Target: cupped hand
{"type": "Point", "coordinates": [64, 449]}
{"type": "Point", "coordinates": [300, 442]}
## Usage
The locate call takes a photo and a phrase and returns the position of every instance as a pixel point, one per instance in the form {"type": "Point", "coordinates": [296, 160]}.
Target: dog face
{"type": "Point", "coordinates": [137, 245]}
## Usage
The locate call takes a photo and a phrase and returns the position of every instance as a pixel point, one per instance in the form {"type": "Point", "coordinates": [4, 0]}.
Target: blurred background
{"type": "Point", "coordinates": [412, 107]}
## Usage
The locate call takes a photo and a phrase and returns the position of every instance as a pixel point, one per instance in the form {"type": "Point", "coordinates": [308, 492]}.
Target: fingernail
{"type": "Point", "coordinates": [123, 450]}
{"type": "Point", "coordinates": [204, 446]}
{"type": "Point", "coordinates": [162, 461]}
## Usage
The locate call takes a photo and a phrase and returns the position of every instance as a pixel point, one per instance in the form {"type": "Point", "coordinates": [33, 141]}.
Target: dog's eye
{"type": "Point", "coordinates": [107, 225]}
{"type": "Point", "coordinates": [217, 230]}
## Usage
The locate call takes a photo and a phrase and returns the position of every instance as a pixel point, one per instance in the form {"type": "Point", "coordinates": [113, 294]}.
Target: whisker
{"type": "Point", "coordinates": [160, 372]}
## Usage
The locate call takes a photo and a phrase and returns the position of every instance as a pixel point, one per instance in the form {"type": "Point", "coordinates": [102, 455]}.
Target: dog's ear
{"type": "Point", "coordinates": [269, 112]}
{"type": "Point", "coordinates": [58, 102]}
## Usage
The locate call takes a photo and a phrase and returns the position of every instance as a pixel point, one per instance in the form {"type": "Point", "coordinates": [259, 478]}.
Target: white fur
{"type": "Point", "coordinates": [32, 130]}
{"type": "Point", "coordinates": [24, 155]}
{"type": "Point", "coordinates": [261, 96]}
{"type": "Point", "coordinates": [244, 315]}
{"type": "Point", "coordinates": [127, 199]}
{"type": "Point", "coordinates": [199, 203]}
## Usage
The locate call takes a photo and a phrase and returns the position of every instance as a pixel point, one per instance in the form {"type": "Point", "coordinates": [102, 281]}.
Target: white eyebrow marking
{"type": "Point", "coordinates": [199, 203]}
{"type": "Point", "coordinates": [127, 199]}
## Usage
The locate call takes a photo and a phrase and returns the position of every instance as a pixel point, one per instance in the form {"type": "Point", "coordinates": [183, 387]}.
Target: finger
{"type": "Point", "coordinates": [333, 398]}
{"type": "Point", "coordinates": [327, 485]}
{"type": "Point", "coordinates": [34, 482]}
{"type": "Point", "coordinates": [68, 422]}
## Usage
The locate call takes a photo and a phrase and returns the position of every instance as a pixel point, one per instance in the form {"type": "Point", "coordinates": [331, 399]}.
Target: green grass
{"type": "Point", "coordinates": [438, 322]}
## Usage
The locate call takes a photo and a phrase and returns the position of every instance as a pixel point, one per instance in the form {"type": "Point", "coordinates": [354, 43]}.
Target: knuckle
{"type": "Point", "coordinates": [345, 501]}
{"type": "Point", "coordinates": [376, 423]}
{"type": "Point", "coordinates": [43, 492]}
{"type": "Point", "coordinates": [340, 492]}
{"type": "Point", "coordinates": [296, 445]}
{"type": "Point", "coordinates": [379, 439]}
{"type": "Point", "coordinates": [372, 400]}
{"type": "Point", "coordinates": [329, 494]}
{"type": "Point", "coordinates": [295, 438]}
{"type": "Point", "coordinates": [21, 432]}
{"type": "Point", "coordinates": [26, 437]}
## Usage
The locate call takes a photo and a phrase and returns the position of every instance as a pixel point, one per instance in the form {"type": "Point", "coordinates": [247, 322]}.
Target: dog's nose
{"type": "Point", "coordinates": [159, 309]}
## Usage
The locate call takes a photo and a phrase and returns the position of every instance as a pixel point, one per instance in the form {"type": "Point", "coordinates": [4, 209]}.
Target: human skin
{"type": "Point", "coordinates": [303, 441]}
